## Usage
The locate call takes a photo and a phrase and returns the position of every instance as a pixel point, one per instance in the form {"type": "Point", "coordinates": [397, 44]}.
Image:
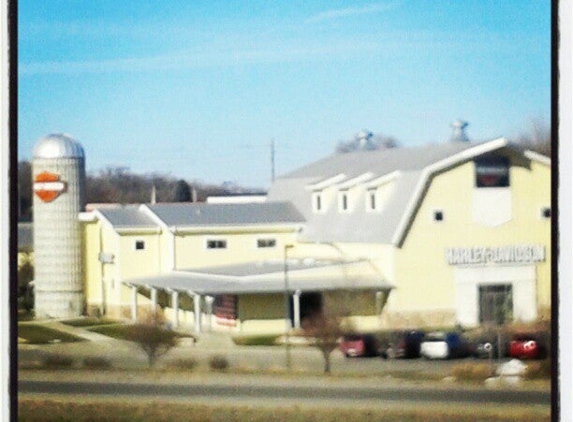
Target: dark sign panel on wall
{"type": "Point", "coordinates": [492, 172]}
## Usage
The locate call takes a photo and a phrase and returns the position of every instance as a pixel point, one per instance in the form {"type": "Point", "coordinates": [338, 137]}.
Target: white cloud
{"type": "Point", "coordinates": [351, 11]}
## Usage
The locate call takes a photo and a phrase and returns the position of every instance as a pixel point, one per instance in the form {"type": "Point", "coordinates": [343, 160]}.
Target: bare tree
{"type": "Point", "coordinates": [182, 191]}
{"type": "Point", "coordinates": [152, 337]}
{"type": "Point", "coordinates": [25, 288]}
{"type": "Point", "coordinates": [537, 138]}
{"type": "Point", "coordinates": [25, 190]}
{"type": "Point", "coordinates": [324, 328]}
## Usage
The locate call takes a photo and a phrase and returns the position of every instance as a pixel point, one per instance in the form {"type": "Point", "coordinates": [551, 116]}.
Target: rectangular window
{"type": "Point", "coordinates": [492, 172]}
{"type": "Point", "coordinates": [216, 244]}
{"type": "Point", "coordinates": [372, 201]}
{"type": "Point", "coordinates": [343, 204]}
{"type": "Point", "coordinates": [139, 245]}
{"type": "Point", "coordinates": [545, 212]}
{"type": "Point", "coordinates": [496, 303]}
{"type": "Point", "coordinates": [438, 215]}
{"type": "Point", "coordinates": [318, 202]}
{"type": "Point", "coordinates": [266, 243]}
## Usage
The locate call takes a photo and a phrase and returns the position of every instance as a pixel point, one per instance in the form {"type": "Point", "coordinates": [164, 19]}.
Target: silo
{"type": "Point", "coordinates": [58, 172]}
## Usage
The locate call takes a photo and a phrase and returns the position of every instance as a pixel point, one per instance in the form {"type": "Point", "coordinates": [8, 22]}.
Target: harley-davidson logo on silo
{"type": "Point", "coordinates": [48, 186]}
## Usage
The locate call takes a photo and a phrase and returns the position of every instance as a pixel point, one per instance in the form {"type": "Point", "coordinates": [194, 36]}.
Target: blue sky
{"type": "Point", "coordinates": [197, 89]}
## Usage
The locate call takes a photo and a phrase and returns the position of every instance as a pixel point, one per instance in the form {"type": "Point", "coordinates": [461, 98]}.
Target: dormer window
{"type": "Point", "coordinates": [317, 205]}
{"type": "Point", "coordinates": [371, 200]}
{"type": "Point", "coordinates": [343, 201]}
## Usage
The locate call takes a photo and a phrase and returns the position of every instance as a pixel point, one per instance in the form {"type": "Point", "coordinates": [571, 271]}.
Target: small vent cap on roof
{"type": "Point", "coordinates": [458, 131]}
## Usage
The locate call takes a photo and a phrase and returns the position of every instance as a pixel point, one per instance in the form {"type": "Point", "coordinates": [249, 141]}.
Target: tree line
{"type": "Point", "coordinates": [121, 185]}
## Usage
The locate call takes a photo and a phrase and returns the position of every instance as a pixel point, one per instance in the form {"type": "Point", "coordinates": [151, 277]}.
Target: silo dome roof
{"type": "Point", "coordinates": [58, 146]}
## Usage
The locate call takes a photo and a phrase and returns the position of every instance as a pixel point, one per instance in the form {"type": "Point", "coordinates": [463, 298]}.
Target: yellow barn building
{"type": "Point", "coordinates": [444, 234]}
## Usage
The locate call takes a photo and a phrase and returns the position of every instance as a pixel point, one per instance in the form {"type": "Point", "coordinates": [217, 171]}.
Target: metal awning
{"type": "Point", "coordinates": [269, 277]}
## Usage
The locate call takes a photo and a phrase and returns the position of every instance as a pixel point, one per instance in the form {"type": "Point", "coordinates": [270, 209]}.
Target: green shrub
{"type": "Point", "coordinates": [261, 340]}
{"type": "Point", "coordinates": [97, 363]}
{"type": "Point", "coordinates": [187, 364]}
{"type": "Point", "coordinates": [58, 361]}
{"type": "Point", "coordinates": [472, 371]}
{"type": "Point", "coordinates": [219, 363]}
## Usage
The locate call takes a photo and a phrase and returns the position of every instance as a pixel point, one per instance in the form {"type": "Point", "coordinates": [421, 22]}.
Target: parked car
{"type": "Point", "coordinates": [355, 345]}
{"type": "Point", "coordinates": [485, 348]}
{"type": "Point", "coordinates": [444, 345]}
{"type": "Point", "coordinates": [527, 346]}
{"type": "Point", "coordinates": [402, 344]}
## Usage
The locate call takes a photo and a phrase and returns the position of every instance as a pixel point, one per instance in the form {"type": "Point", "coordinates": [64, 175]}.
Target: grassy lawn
{"type": "Point", "coordinates": [40, 334]}
{"type": "Point", "coordinates": [88, 409]}
{"type": "Point", "coordinates": [89, 322]}
{"type": "Point", "coordinates": [260, 340]}
{"type": "Point", "coordinates": [118, 330]}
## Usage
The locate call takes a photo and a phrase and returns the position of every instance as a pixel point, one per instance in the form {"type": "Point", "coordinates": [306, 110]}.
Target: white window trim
{"type": "Point", "coordinates": [341, 195]}
{"type": "Point", "coordinates": [315, 196]}
{"type": "Point", "coordinates": [209, 239]}
{"type": "Point", "coordinates": [368, 202]}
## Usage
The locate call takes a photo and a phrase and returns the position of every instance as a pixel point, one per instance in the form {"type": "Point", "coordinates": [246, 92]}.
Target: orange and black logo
{"type": "Point", "coordinates": [48, 186]}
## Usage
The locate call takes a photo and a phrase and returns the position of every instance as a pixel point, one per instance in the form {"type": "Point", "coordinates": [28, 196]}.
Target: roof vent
{"type": "Point", "coordinates": [458, 132]}
{"type": "Point", "coordinates": [364, 138]}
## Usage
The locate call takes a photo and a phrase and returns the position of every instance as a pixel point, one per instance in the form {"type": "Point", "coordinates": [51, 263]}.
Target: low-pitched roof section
{"type": "Point", "coordinates": [204, 214]}
{"type": "Point", "coordinates": [269, 277]}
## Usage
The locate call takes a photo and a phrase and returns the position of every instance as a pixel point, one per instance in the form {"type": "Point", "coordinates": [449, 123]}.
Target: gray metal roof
{"type": "Point", "coordinates": [381, 161]}
{"type": "Point", "coordinates": [250, 279]}
{"type": "Point", "coordinates": [129, 216]}
{"type": "Point", "coordinates": [25, 237]}
{"type": "Point", "coordinates": [203, 214]}
{"type": "Point", "coordinates": [360, 225]}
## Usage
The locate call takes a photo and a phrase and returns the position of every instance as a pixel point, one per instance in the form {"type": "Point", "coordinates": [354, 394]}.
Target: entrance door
{"type": "Point", "coordinates": [310, 303]}
{"type": "Point", "coordinates": [495, 303]}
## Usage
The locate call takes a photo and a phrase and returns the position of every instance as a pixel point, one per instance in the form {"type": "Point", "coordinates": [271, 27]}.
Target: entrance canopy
{"type": "Point", "coordinates": [269, 277]}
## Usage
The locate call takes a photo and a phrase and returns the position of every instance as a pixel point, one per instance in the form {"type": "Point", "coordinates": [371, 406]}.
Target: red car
{"type": "Point", "coordinates": [355, 345]}
{"type": "Point", "coordinates": [527, 346]}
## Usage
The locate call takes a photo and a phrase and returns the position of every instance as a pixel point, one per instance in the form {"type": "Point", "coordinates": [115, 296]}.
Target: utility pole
{"type": "Point", "coordinates": [272, 160]}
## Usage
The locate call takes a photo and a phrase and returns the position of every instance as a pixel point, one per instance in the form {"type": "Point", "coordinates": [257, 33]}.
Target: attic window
{"type": "Point", "coordinates": [546, 212]}
{"type": "Point", "coordinates": [438, 215]}
{"type": "Point", "coordinates": [492, 172]}
{"type": "Point", "coordinates": [139, 245]}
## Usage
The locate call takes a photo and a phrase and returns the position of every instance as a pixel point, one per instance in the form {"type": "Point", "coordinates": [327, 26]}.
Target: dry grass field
{"type": "Point", "coordinates": [83, 410]}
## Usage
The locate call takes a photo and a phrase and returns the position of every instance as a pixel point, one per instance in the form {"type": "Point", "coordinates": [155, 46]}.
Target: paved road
{"type": "Point", "coordinates": [286, 392]}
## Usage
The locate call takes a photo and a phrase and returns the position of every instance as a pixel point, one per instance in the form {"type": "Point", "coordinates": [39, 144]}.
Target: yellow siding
{"type": "Point", "coordinates": [92, 268]}
{"type": "Point", "coordinates": [424, 279]}
{"type": "Point", "coordinates": [192, 252]}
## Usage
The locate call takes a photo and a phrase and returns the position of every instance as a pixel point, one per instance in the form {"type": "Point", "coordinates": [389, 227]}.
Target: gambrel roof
{"type": "Point", "coordinates": [409, 170]}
